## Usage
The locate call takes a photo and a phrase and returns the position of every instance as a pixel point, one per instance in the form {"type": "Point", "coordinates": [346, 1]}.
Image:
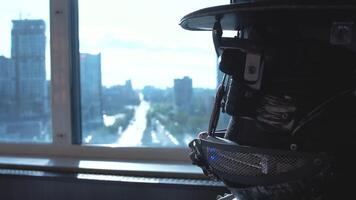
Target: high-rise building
{"type": "Point", "coordinates": [183, 91]}
{"type": "Point", "coordinates": [91, 88]}
{"type": "Point", "coordinates": [28, 46]}
{"type": "Point", "coordinates": [7, 87]}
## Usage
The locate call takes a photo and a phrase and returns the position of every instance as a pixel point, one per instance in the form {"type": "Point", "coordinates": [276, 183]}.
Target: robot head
{"type": "Point", "coordinates": [291, 81]}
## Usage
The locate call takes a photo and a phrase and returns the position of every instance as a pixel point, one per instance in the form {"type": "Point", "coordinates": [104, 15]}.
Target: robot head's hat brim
{"type": "Point", "coordinates": [233, 16]}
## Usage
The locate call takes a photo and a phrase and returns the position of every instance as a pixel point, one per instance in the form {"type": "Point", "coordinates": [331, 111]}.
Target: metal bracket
{"type": "Point", "coordinates": [217, 35]}
{"type": "Point", "coordinates": [252, 67]}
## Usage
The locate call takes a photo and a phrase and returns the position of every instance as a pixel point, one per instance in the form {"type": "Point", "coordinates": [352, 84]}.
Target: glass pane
{"type": "Point", "coordinates": [25, 114]}
{"type": "Point", "coordinates": [145, 82]}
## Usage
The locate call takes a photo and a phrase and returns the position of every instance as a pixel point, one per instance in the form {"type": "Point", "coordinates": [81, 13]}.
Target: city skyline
{"type": "Point", "coordinates": [136, 119]}
{"type": "Point", "coordinates": [44, 47]}
{"type": "Point", "coordinates": [137, 50]}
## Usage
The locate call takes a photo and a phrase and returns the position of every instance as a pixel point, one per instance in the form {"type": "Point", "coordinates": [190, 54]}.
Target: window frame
{"type": "Point", "coordinates": [65, 98]}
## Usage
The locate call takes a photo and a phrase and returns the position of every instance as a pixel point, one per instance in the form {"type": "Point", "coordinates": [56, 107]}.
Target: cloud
{"type": "Point", "coordinates": [152, 59]}
{"type": "Point", "coordinates": [156, 68]}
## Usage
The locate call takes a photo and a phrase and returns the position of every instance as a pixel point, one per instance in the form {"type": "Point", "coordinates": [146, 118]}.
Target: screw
{"type": "Point", "coordinates": [248, 94]}
{"type": "Point", "coordinates": [293, 147]}
{"type": "Point", "coordinates": [341, 33]}
{"type": "Point", "coordinates": [203, 135]}
{"type": "Point", "coordinates": [251, 69]}
{"type": "Point", "coordinates": [284, 115]}
{"type": "Point", "coordinates": [318, 161]}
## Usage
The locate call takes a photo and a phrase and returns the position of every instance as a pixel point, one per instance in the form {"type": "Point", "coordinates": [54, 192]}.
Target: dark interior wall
{"type": "Point", "coordinates": [70, 188]}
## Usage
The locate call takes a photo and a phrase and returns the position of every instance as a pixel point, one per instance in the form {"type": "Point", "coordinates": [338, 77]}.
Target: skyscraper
{"type": "Point", "coordinates": [183, 91]}
{"type": "Point", "coordinates": [7, 87]}
{"type": "Point", "coordinates": [28, 45]}
{"type": "Point", "coordinates": [90, 81]}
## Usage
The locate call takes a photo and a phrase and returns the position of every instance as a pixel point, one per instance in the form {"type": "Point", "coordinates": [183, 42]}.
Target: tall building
{"type": "Point", "coordinates": [91, 89]}
{"type": "Point", "coordinates": [183, 91]}
{"type": "Point", "coordinates": [28, 46]}
{"type": "Point", "coordinates": [7, 88]}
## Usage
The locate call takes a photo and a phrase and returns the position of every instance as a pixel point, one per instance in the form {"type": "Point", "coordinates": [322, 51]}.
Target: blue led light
{"type": "Point", "coordinates": [212, 154]}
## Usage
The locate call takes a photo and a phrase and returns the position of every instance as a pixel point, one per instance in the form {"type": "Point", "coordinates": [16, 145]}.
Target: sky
{"type": "Point", "coordinates": [139, 40]}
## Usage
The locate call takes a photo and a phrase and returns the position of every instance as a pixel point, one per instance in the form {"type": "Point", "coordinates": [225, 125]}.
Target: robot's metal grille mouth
{"type": "Point", "coordinates": [236, 164]}
{"type": "Point", "coordinates": [252, 164]}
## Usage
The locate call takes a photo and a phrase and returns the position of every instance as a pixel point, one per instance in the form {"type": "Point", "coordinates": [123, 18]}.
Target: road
{"type": "Point", "coordinates": [157, 135]}
{"type": "Point", "coordinates": [162, 137]}
{"type": "Point", "coordinates": [134, 132]}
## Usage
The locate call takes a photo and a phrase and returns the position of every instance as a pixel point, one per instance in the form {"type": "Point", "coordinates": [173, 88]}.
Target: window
{"type": "Point", "coordinates": [145, 82]}
{"type": "Point", "coordinates": [25, 111]}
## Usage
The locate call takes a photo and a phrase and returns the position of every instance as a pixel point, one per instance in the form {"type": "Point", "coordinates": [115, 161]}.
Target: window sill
{"type": "Point", "coordinates": [112, 171]}
{"type": "Point", "coordinates": [103, 167]}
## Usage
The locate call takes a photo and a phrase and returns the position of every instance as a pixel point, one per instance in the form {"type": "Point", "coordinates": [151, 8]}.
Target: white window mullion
{"type": "Point", "coordinates": [61, 71]}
